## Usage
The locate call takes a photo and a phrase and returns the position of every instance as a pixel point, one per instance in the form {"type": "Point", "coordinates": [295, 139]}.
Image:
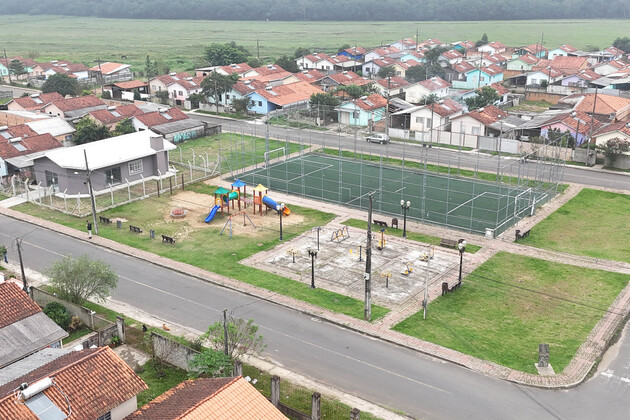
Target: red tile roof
{"type": "Point", "coordinates": [31, 103]}
{"type": "Point", "coordinates": [95, 381]}
{"type": "Point", "coordinates": [492, 70]}
{"type": "Point", "coordinates": [501, 90]}
{"type": "Point", "coordinates": [372, 102]}
{"type": "Point", "coordinates": [110, 68]}
{"type": "Point", "coordinates": [81, 102]}
{"type": "Point", "coordinates": [269, 69]}
{"type": "Point", "coordinates": [534, 48]}
{"type": "Point", "coordinates": [567, 48]}
{"type": "Point", "coordinates": [152, 119]}
{"type": "Point", "coordinates": [465, 44]}
{"type": "Point", "coordinates": [355, 50]}
{"type": "Point", "coordinates": [446, 108]}
{"type": "Point", "coordinates": [236, 68]}
{"type": "Point", "coordinates": [210, 398]}
{"type": "Point", "coordinates": [618, 64]}
{"type": "Point", "coordinates": [15, 304]}
{"type": "Point", "coordinates": [21, 130]}
{"type": "Point", "coordinates": [564, 64]}
{"type": "Point", "coordinates": [497, 45]}
{"type": "Point", "coordinates": [185, 80]}
{"type": "Point", "coordinates": [496, 58]}
{"type": "Point", "coordinates": [270, 77]}
{"type": "Point", "coordinates": [247, 86]}
{"type": "Point", "coordinates": [463, 67]}
{"type": "Point", "coordinates": [528, 59]}
{"type": "Point", "coordinates": [383, 62]}
{"type": "Point", "coordinates": [452, 54]}
{"type": "Point", "coordinates": [348, 78]}
{"type": "Point", "coordinates": [32, 144]}
{"type": "Point", "coordinates": [394, 82]}
{"type": "Point", "coordinates": [487, 115]}
{"type": "Point", "coordinates": [621, 126]}
{"type": "Point", "coordinates": [289, 94]}
{"type": "Point", "coordinates": [385, 51]}
{"type": "Point", "coordinates": [572, 122]}
{"type": "Point", "coordinates": [605, 104]}
{"type": "Point", "coordinates": [615, 51]}
{"type": "Point", "coordinates": [131, 84]}
{"type": "Point", "coordinates": [310, 75]}
{"type": "Point", "coordinates": [107, 116]}
{"type": "Point", "coordinates": [317, 57]}
{"type": "Point", "coordinates": [434, 83]}
{"type": "Point", "coordinates": [588, 75]}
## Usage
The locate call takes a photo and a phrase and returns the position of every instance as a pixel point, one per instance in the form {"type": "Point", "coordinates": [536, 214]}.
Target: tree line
{"type": "Point", "coordinates": [327, 10]}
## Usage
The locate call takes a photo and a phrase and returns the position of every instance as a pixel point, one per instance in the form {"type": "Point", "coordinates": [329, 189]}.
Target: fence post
{"type": "Point", "coordinates": [128, 189]}
{"type": "Point", "coordinates": [52, 191]}
{"type": "Point", "coordinates": [65, 200]}
{"type": "Point", "coordinates": [193, 150]}
{"type": "Point", "coordinates": [160, 176]}
{"type": "Point", "coordinates": [355, 414]}
{"type": "Point", "coordinates": [26, 189]}
{"type": "Point", "coordinates": [183, 182]}
{"type": "Point", "coordinates": [120, 327]}
{"type": "Point", "coordinates": [39, 192]}
{"type": "Point", "coordinates": [205, 169]}
{"type": "Point", "coordinates": [275, 390]}
{"type": "Point", "coordinates": [316, 406]}
{"type": "Point", "coordinates": [157, 184]}
{"type": "Point", "coordinates": [111, 193]}
{"type": "Point", "coordinates": [78, 204]}
{"type": "Point", "coordinates": [190, 167]}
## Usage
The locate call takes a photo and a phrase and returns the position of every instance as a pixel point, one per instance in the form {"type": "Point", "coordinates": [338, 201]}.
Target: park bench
{"type": "Point", "coordinates": [134, 229]}
{"type": "Point", "coordinates": [394, 223]}
{"type": "Point", "coordinates": [168, 239]}
{"type": "Point", "coordinates": [105, 220]}
{"type": "Point", "coordinates": [449, 243]}
{"type": "Point", "coordinates": [446, 289]}
{"type": "Point", "coordinates": [380, 223]}
{"type": "Point", "coordinates": [520, 235]}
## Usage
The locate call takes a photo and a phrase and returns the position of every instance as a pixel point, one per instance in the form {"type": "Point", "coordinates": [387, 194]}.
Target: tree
{"type": "Point", "coordinates": [622, 43]}
{"type": "Point", "coordinates": [78, 280]}
{"type": "Point", "coordinates": [254, 62]}
{"type": "Point", "coordinates": [241, 105]}
{"type": "Point", "coordinates": [344, 47]}
{"type": "Point", "coordinates": [216, 84]}
{"type": "Point", "coordinates": [482, 41]}
{"type": "Point", "coordinates": [62, 84]}
{"type": "Point", "coordinates": [136, 95]}
{"type": "Point", "coordinates": [485, 96]}
{"type": "Point", "coordinates": [195, 99]}
{"type": "Point", "coordinates": [301, 51]}
{"type": "Point", "coordinates": [124, 126]}
{"type": "Point", "coordinates": [242, 337]}
{"type": "Point", "coordinates": [87, 131]}
{"type": "Point", "coordinates": [162, 95]}
{"type": "Point", "coordinates": [288, 64]}
{"type": "Point", "coordinates": [353, 91]}
{"type": "Point", "coordinates": [150, 69]}
{"type": "Point", "coordinates": [58, 313]}
{"type": "Point", "coordinates": [224, 54]}
{"type": "Point", "coordinates": [430, 99]}
{"type": "Point", "coordinates": [17, 67]}
{"type": "Point", "coordinates": [614, 148]}
{"type": "Point", "coordinates": [325, 104]}
{"type": "Point", "coordinates": [211, 363]}
{"type": "Point", "coordinates": [423, 71]}
{"type": "Point", "coordinates": [387, 71]}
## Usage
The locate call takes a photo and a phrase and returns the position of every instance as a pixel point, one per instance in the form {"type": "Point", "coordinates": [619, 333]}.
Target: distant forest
{"type": "Point", "coordinates": [326, 10]}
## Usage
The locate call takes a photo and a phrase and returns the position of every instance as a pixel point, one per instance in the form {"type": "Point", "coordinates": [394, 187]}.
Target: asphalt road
{"type": "Point", "coordinates": [380, 372]}
{"type": "Point", "coordinates": [442, 156]}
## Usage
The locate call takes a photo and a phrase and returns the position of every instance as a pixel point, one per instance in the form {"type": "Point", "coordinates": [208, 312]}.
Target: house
{"type": "Point", "coordinates": [111, 71]}
{"type": "Point", "coordinates": [275, 78]}
{"type": "Point", "coordinates": [114, 114]}
{"type": "Point", "coordinates": [463, 47]}
{"type": "Point", "coordinates": [76, 70]}
{"type": "Point", "coordinates": [547, 75]}
{"type": "Point", "coordinates": [271, 98]}
{"type": "Point", "coordinates": [567, 65]}
{"type": "Point", "coordinates": [493, 59]}
{"type": "Point", "coordinates": [436, 115]}
{"type": "Point", "coordinates": [33, 102]}
{"type": "Point", "coordinates": [131, 157]}
{"type": "Point", "coordinates": [57, 127]}
{"type": "Point", "coordinates": [582, 79]}
{"type": "Point", "coordinates": [479, 77]}
{"type": "Point", "coordinates": [125, 90]}
{"type": "Point", "coordinates": [74, 108]}
{"type": "Point", "coordinates": [405, 44]}
{"type": "Point", "coordinates": [402, 67]}
{"type": "Point", "coordinates": [18, 143]}
{"type": "Point", "coordinates": [58, 384]}
{"type": "Point", "coordinates": [579, 125]}
{"type": "Point", "coordinates": [310, 76]}
{"type": "Point", "coordinates": [450, 58]}
{"type": "Point", "coordinates": [27, 63]}
{"type": "Point", "coordinates": [477, 123]}
{"type": "Point", "coordinates": [179, 86]}
{"type": "Point", "coordinates": [172, 124]}
{"type": "Point", "coordinates": [430, 44]}
{"type": "Point", "coordinates": [494, 47]}
{"type": "Point", "coordinates": [380, 53]}
{"type": "Point", "coordinates": [458, 71]}
{"type": "Point", "coordinates": [536, 50]}
{"type": "Point", "coordinates": [24, 328]}
{"type": "Point", "coordinates": [608, 54]}
{"type": "Point", "coordinates": [318, 61]}
{"type": "Point", "coordinates": [372, 67]}
{"type": "Point", "coordinates": [609, 67]}
{"type": "Point", "coordinates": [607, 107]}
{"type": "Point", "coordinates": [243, 88]}
{"type": "Point", "coordinates": [4, 69]}
{"type": "Point", "coordinates": [615, 130]}
{"type": "Point", "coordinates": [522, 63]}
{"type": "Point", "coordinates": [432, 86]}
{"type": "Point", "coordinates": [210, 398]}
{"type": "Point", "coordinates": [617, 54]}
{"type": "Point", "coordinates": [393, 86]}
{"type": "Point", "coordinates": [354, 53]}
{"type": "Point", "coordinates": [346, 78]}
{"type": "Point", "coordinates": [364, 111]}
{"type": "Point", "coordinates": [413, 56]}
{"type": "Point", "coordinates": [563, 50]}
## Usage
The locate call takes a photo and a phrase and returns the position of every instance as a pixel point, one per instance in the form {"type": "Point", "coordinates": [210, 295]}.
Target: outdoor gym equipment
{"type": "Point", "coordinates": [382, 242]}
{"type": "Point", "coordinates": [340, 234]}
{"type": "Point", "coordinates": [293, 252]}
{"type": "Point", "coordinates": [387, 275]}
{"type": "Point", "coordinates": [428, 255]}
{"type": "Point", "coordinates": [408, 269]}
{"type": "Point", "coordinates": [361, 252]}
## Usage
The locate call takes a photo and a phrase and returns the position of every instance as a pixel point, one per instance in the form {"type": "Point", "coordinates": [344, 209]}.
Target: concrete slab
{"type": "Point", "coordinates": [12, 201]}
{"type": "Point", "coordinates": [545, 371]}
{"type": "Point", "coordinates": [133, 357]}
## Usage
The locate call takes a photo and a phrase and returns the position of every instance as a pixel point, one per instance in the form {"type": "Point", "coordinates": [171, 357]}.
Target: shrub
{"type": "Point", "coordinates": [106, 95]}
{"type": "Point", "coordinates": [58, 313]}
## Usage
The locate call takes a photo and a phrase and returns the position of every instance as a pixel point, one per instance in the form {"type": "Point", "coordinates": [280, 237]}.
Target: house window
{"type": "Point", "coordinates": [106, 416]}
{"type": "Point", "coordinates": [181, 93]}
{"type": "Point", "coordinates": [419, 120]}
{"type": "Point", "coordinates": [429, 123]}
{"type": "Point", "coordinates": [135, 167]}
{"type": "Point", "coordinates": [259, 103]}
{"type": "Point", "coordinates": [227, 97]}
{"type": "Point", "coordinates": [112, 176]}
{"type": "Point", "coordinates": [52, 179]}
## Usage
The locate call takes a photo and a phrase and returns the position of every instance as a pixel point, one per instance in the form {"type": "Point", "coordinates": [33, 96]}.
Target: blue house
{"type": "Point", "coordinates": [271, 98]}
{"type": "Point", "coordinates": [362, 111]}
{"type": "Point", "coordinates": [353, 53]}
{"type": "Point", "coordinates": [476, 78]}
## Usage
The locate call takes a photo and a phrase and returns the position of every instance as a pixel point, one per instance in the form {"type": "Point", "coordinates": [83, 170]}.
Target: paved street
{"type": "Point", "coordinates": [369, 368]}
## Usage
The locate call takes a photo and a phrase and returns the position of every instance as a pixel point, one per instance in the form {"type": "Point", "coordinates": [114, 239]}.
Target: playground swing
{"type": "Point", "coordinates": [229, 221]}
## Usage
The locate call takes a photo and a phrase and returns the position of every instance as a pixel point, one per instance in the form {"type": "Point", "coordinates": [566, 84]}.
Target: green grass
{"type": "Point", "coordinates": [282, 120]}
{"type": "Point", "coordinates": [85, 39]}
{"type": "Point", "coordinates": [159, 379]}
{"type": "Point", "coordinates": [593, 223]}
{"type": "Point", "coordinates": [413, 236]}
{"type": "Point", "coordinates": [511, 303]}
{"type": "Point", "coordinates": [204, 248]}
{"type": "Point", "coordinates": [223, 114]}
{"type": "Point", "coordinates": [76, 334]}
{"type": "Point", "coordinates": [5, 100]}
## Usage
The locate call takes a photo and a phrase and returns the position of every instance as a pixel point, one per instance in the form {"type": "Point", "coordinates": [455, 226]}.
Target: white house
{"type": "Point", "coordinates": [433, 86]}
{"type": "Point", "coordinates": [318, 61]}
{"type": "Point", "coordinates": [494, 47]}
{"type": "Point", "coordinates": [547, 75]}
{"type": "Point", "coordinates": [381, 52]}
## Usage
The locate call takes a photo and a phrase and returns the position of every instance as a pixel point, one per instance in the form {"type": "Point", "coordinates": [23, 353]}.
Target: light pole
{"type": "Point", "coordinates": [280, 210]}
{"type": "Point", "coordinates": [577, 131]}
{"type": "Point", "coordinates": [440, 102]}
{"type": "Point", "coordinates": [313, 254]}
{"type": "Point", "coordinates": [499, 147]}
{"type": "Point", "coordinates": [405, 206]}
{"type": "Point", "coordinates": [461, 245]}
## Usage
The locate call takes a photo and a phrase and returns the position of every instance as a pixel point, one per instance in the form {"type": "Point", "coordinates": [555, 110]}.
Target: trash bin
{"type": "Point", "coordinates": [118, 224]}
{"type": "Point", "coordinates": [152, 234]}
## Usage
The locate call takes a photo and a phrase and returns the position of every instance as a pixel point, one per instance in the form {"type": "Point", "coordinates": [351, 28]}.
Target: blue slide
{"type": "Point", "coordinates": [269, 202]}
{"type": "Point", "coordinates": [213, 212]}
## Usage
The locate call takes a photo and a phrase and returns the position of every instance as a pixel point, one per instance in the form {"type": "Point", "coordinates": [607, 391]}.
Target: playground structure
{"type": "Point", "coordinates": [229, 221]}
{"type": "Point", "coordinates": [223, 198]}
{"type": "Point", "coordinates": [260, 197]}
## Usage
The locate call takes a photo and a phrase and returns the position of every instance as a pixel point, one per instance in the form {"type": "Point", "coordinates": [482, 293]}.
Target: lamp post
{"type": "Point", "coordinates": [405, 206]}
{"type": "Point", "coordinates": [280, 210]}
{"type": "Point", "coordinates": [461, 245]}
{"type": "Point", "coordinates": [499, 147]}
{"type": "Point", "coordinates": [313, 254]}
{"type": "Point", "coordinates": [440, 102]}
{"type": "Point", "coordinates": [577, 131]}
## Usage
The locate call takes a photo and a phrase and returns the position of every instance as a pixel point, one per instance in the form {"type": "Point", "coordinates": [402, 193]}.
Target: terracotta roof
{"type": "Point", "coordinates": [463, 67]}
{"type": "Point", "coordinates": [289, 94]}
{"type": "Point", "coordinates": [452, 54]}
{"type": "Point", "coordinates": [448, 107]}
{"type": "Point", "coordinates": [492, 70]}
{"type": "Point", "coordinates": [63, 66]}
{"type": "Point", "coordinates": [372, 102]}
{"type": "Point", "coordinates": [572, 122]}
{"type": "Point", "coordinates": [236, 68]}
{"type": "Point", "coordinates": [534, 48]}
{"type": "Point", "coordinates": [487, 115]}
{"type": "Point", "coordinates": [496, 58]}
{"type": "Point", "coordinates": [210, 398]}
{"type": "Point", "coordinates": [618, 64]}
{"type": "Point", "coordinates": [431, 42]}
{"type": "Point", "coordinates": [418, 54]}
{"type": "Point", "coordinates": [385, 51]}
{"type": "Point", "coordinates": [15, 304]}
{"type": "Point", "coordinates": [247, 86]}
{"type": "Point", "coordinates": [621, 126]}
{"type": "Point", "coordinates": [605, 104]}
{"type": "Point", "coordinates": [551, 72]}
{"type": "Point", "coordinates": [395, 82]}
{"type": "Point", "coordinates": [31, 144]}
{"type": "Point", "coordinates": [348, 78]}
{"type": "Point", "coordinates": [269, 69]}
{"type": "Point", "coordinates": [94, 380]}
{"type": "Point", "coordinates": [564, 64]}
{"type": "Point", "coordinates": [270, 77]}
{"type": "Point", "coordinates": [383, 62]}
{"type": "Point", "coordinates": [26, 62]}
{"type": "Point", "coordinates": [80, 102]}
{"type": "Point", "coordinates": [108, 116]}
{"type": "Point", "coordinates": [355, 50]}
{"type": "Point", "coordinates": [131, 84]}
{"type": "Point", "coordinates": [31, 103]}
{"type": "Point", "coordinates": [21, 130]}
{"type": "Point", "coordinates": [567, 48]}
{"type": "Point", "coordinates": [465, 44]}
{"type": "Point", "coordinates": [501, 90]}
{"type": "Point", "coordinates": [588, 75]}
{"type": "Point", "coordinates": [316, 57]}
{"type": "Point", "coordinates": [110, 68]}
{"type": "Point", "coordinates": [310, 75]}
{"type": "Point", "coordinates": [615, 51]}
{"type": "Point", "coordinates": [185, 80]}
{"type": "Point", "coordinates": [527, 59]}
{"type": "Point", "coordinates": [434, 83]}
{"type": "Point", "coordinates": [151, 119]}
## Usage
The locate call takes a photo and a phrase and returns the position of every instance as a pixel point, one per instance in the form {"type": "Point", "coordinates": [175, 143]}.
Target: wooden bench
{"type": "Point", "coordinates": [134, 229]}
{"type": "Point", "coordinates": [105, 220]}
{"type": "Point", "coordinates": [449, 243]}
{"type": "Point", "coordinates": [520, 235]}
{"type": "Point", "coordinates": [168, 239]}
{"type": "Point", "coordinates": [380, 223]}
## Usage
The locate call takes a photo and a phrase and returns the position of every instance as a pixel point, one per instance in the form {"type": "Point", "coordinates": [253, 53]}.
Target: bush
{"type": "Point", "coordinates": [58, 313]}
{"type": "Point", "coordinates": [106, 95]}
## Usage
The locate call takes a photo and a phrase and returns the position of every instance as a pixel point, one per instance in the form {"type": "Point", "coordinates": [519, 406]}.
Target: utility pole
{"type": "Point", "coordinates": [100, 72]}
{"type": "Point", "coordinates": [590, 131]}
{"type": "Point", "coordinates": [425, 302]}
{"type": "Point", "coordinates": [8, 68]}
{"type": "Point", "coordinates": [389, 79]}
{"type": "Point", "coordinates": [257, 49]}
{"type": "Point", "coordinates": [91, 191]}
{"type": "Point", "coordinates": [368, 265]}
{"type": "Point", "coordinates": [225, 333]}
{"type": "Point", "coordinates": [18, 242]}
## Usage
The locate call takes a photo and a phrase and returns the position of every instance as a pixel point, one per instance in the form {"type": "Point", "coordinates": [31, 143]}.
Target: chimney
{"type": "Point", "coordinates": [157, 142]}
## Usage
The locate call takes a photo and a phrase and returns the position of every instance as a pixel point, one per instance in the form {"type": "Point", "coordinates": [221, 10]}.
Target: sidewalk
{"type": "Point", "coordinates": [573, 374]}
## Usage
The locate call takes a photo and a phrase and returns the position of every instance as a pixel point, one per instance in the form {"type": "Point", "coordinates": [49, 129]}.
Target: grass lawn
{"type": "Point", "coordinates": [76, 334]}
{"type": "Point", "coordinates": [159, 379]}
{"type": "Point", "coordinates": [204, 248]}
{"type": "Point", "coordinates": [511, 303]}
{"type": "Point", "coordinates": [427, 239]}
{"type": "Point", "coordinates": [603, 219]}
{"type": "Point", "coordinates": [86, 38]}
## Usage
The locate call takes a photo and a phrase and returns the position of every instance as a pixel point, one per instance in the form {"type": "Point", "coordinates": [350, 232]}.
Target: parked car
{"type": "Point", "coordinates": [378, 138]}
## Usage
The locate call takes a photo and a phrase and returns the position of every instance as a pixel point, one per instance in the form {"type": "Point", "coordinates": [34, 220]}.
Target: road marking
{"type": "Point", "coordinates": [609, 373]}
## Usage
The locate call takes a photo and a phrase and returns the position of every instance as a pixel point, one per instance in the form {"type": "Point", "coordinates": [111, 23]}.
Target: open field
{"type": "Point", "coordinates": [85, 39]}
{"type": "Point", "coordinates": [511, 303]}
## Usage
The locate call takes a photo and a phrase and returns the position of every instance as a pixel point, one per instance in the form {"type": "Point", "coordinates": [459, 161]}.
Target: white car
{"type": "Point", "coordinates": [378, 138]}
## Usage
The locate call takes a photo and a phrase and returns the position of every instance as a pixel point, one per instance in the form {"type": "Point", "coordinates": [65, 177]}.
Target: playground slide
{"type": "Point", "coordinates": [269, 202]}
{"type": "Point", "coordinates": [213, 212]}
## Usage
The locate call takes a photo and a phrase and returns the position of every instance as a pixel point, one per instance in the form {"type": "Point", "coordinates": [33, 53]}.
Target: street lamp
{"type": "Point", "coordinates": [313, 254]}
{"type": "Point", "coordinates": [574, 115]}
{"type": "Point", "coordinates": [405, 206]}
{"type": "Point", "coordinates": [461, 245]}
{"type": "Point", "coordinates": [280, 210]}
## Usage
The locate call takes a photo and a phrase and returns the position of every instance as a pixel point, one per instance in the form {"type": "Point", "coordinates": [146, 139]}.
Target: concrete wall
{"type": "Point", "coordinates": [621, 162]}
{"type": "Point", "coordinates": [125, 409]}
{"type": "Point", "coordinates": [172, 352]}
{"type": "Point", "coordinates": [493, 144]}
